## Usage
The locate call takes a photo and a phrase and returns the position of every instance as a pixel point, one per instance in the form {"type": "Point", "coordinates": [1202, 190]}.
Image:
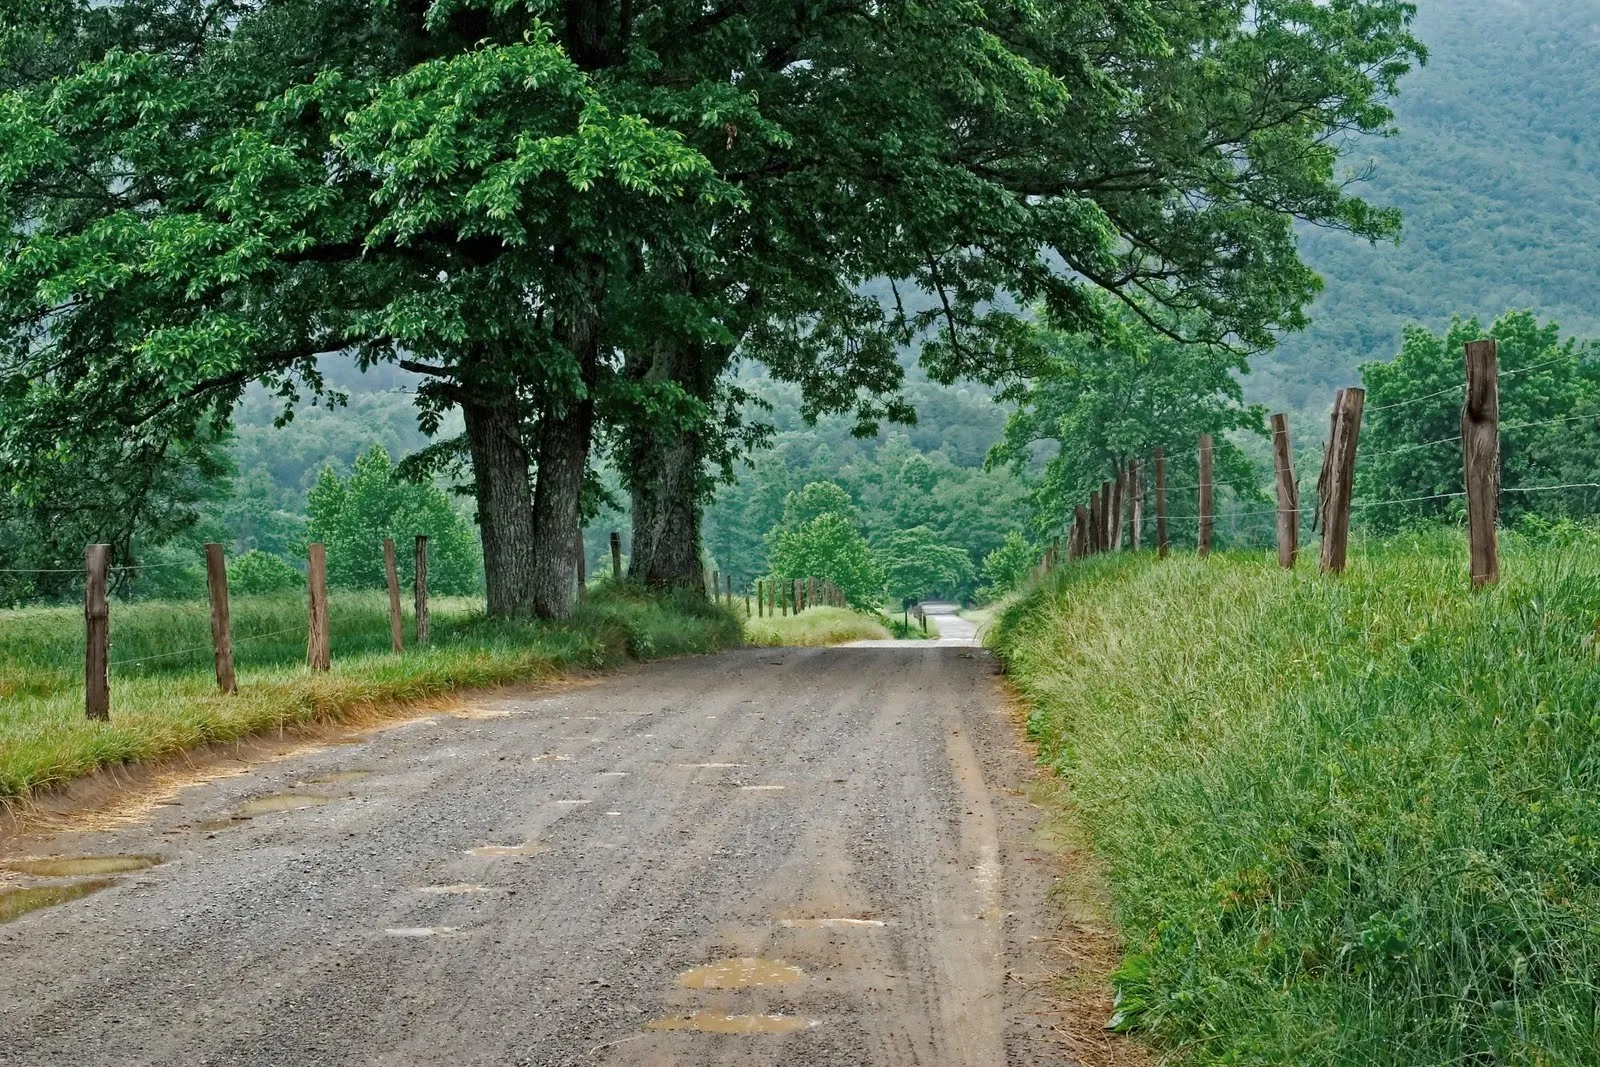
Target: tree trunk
{"type": "Point", "coordinates": [566, 431]}
{"type": "Point", "coordinates": [505, 506]}
{"type": "Point", "coordinates": [665, 488]}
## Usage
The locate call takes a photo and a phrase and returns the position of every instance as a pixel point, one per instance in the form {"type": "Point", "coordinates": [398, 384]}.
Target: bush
{"type": "Point", "coordinates": [257, 572]}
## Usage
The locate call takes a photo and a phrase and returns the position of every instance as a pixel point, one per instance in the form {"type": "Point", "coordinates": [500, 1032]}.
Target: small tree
{"type": "Point", "coordinates": [1007, 565]}
{"type": "Point", "coordinates": [828, 548]}
{"type": "Point", "coordinates": [916, 563]}
{"type": "Point", "coordinates": [819, 498]}
{"type": "Point", "coordinates": [352, 516]}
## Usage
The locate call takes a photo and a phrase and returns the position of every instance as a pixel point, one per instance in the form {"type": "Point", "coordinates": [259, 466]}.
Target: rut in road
{"type": "Point", "coordinates": [798, 857]}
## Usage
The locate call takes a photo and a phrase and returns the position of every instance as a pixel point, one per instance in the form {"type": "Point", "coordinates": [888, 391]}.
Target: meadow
{"type": "Point", "coordinates": [163, 693]}
{"type": "Point", "coordinates": [1348, 819]}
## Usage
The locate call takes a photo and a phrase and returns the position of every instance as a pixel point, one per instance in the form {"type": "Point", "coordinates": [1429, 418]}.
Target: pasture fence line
{"type": "Point", "coordinates": [1111, 519]}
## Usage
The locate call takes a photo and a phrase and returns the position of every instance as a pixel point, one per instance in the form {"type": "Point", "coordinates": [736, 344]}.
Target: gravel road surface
{"type": "Point", "coordinates": [796, 857]}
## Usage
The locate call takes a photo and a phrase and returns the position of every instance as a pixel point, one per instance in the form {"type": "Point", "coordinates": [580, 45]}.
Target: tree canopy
{"type": "Point", "coordinates": [572, 219]}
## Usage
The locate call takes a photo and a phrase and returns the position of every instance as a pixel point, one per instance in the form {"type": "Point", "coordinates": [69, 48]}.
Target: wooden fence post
{"type": "Point", "coordinates": [1094, 523]}
{"type": "Point", "coordinates": [761, 599]}
{"type": "Point", "coordinates": [396, 623]}
{"type": "Point", "coordinates": [221, 631]}
{"type": "Point", "coordinates": [811, 591]}
{"type": "Point", "coordinates": [1288, 493]}
{"type": "Point", "coordinates": [616, 557]}
{"type": "Point", "coordinates": [583, 569]}
{"type": "Point", "coordinates": [1161, 504]}
{"type": "Point", "coordinates": [784, 589]}
{"type": "Point", "coordinates": [1480, 453]}
{"type": "Point", "coordinates": [1104, 530]}
{"type": "Point", "coordinates": [728, 578]}
{"type": "Point", "coordinates": [716, 585]}
{"type": "Point", "coordinates": [1118, 488]}
{"type": "Point", "coordinates": [1080, 531]}
{"type": "Point", "coordinates": [1339, 470]}
{"type": "Point", "coordinates": [97, 633]}
{"type": "Point", "coordinates": [747, 598]}
{"type": "Point", "coordinates": [1135, 505]}
{"type": "Point", "coordinates": [1203, 537]}
{"type": "Point", "coordinates": [419, 589]}
{"type": "Point", "coordinates": [318, 647]}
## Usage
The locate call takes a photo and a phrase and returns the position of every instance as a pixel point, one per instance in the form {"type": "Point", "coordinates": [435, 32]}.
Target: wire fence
{"type": "Point", "coordinates": [1227, 511]}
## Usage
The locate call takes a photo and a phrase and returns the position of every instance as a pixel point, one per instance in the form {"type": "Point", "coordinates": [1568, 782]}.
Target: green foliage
{"type": "Point", "coordinates": [257, 572]}
{"type": "Point", "coordinates": [1104, 399]}
{"type": "Point", "coordinates": [1549, 423]}
{"type": "Point", "coordinates": [1007, 566]}
{"type": "Point", "coordinates": [819, 498]}
{"type": "Point", "coordinates": [1345, 822]}
{"type": "Point", "coordinates": [916, 564]}
{"type": "Point", "coordinates": [352, 516]}
{"type": "Point", "coordinates": [828, 548]}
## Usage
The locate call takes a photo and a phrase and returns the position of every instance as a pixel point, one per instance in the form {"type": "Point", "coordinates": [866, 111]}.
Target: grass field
{"type": "Point", "coordinates": [1346, 820]}
{"type": "Point", "coordinates": [814, 627]}
{"type": "Point", "coordinates": [164, 696]}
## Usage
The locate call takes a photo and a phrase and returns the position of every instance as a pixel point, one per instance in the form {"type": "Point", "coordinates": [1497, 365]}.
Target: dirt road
{"type": "Point", "coordinates": [766, 857]}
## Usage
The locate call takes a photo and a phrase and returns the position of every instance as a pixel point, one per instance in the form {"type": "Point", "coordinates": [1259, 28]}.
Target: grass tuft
{"type": "Point", "coordinates": [1345, 819]}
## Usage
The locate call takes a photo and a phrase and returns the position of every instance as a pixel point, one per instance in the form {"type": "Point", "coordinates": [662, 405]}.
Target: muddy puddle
{"type": "Point", "coordinates": [717, 1023]}
{"type": "Point", "coordinates": [741, 972]}
{"type": "Point", "coordinates": [278, 802]}
{"type": "Point", "coordinates": [527, 848]}
{"type": "Point", "coordinates": [831, 924]}
{"type": "Point", "coordinates": [336, 777]}
{"type": "Point", "coordinates": [81, 866]}
{"type": "Point", "coordinates": [15, 903]}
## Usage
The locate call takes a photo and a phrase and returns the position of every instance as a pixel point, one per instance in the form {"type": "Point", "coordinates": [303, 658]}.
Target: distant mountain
{"type": "Point", "coordinates": [1497, 170]}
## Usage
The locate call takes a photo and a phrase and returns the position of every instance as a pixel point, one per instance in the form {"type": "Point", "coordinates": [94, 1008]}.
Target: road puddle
{"type": "Point", "coordinates": [762, 788]}
{"type": "Point", "coordinates": [828, 924]}
{"type": "Point", "coordinates": [452, 890]}
{"type": "Point", "coordinates": [336, 777]}
{"type": "Point", "coordinates": [717, 1023]}
{"type": "Point", "coordinates": [278, 802]}
{"type": "Point", "coordinates": [79, 866]}
{"type": "Point", "coordinates": [741, 972]}
{"type": "Point", "coordinates": [15, 903]}
{"type": "Point", "coordinates": [419, 931]}
{"type": "Point", "coordinates": [527, 848]}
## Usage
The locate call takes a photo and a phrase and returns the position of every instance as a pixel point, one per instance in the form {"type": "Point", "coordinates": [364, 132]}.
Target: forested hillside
{"type": "Point", "coordinates": [1497, 171]}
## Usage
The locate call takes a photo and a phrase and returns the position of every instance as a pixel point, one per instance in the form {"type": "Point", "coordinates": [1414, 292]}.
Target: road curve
{"type": "Point", "coordinates": [797, 857]}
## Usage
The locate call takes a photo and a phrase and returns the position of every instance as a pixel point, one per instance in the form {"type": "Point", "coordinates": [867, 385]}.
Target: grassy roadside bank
{"type": "Point", "coordinates": [164, 699]}
{"type": "Point", "coordinates": [1345, 821]}
{"type": "Point", "coordinates": [814, 628]}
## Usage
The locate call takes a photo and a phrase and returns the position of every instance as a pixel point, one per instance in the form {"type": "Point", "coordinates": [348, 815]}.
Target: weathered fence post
{"type": "Point", "coordinates": [396, 623]}
{"type": "Point", "coordinates": [1080, 531]}
{"type": "Point", "coordinates": [419, 589]}
{"type": "Point", "coordinates": [1136, 506]}
{"type": "Point", "coordinates": [747, 598]}
{"type": "Point", "coordinates": [97, 632]}
{"type": "Point", "coordinates": [1118, 488]}
{"type": "Point", "coordinates": [1339, 469]}
{"type": "Point", "coordinates": [1203, 537]}
{"type": "Point", "coordinates": [1480, 452]}
{"type": "Point", "coordinates": [1161, 504]}
{"type": "Point", "coordinates": [728, 578]}
{"type": "Point", "coordinates": [1288, 493]}
{"type": "Point", "coordinates": [221, 632]}
{"type": "Point", "coordinates": [1105, 516]}
{"type": "Point", "coordinates": [761, 599]}
{"type": "Point", "coordinates": [1094, 523]}
{"type": "Point", "coordinates": [616, 557]}
{"type": "Point", "coordinates": [811, 591]}
{"type": "Point", "coordinates": [716, 585]}
{"type": "Point", "coordinates": [318, 647]}
{"type": "Point", "coordinates": [583, 569]}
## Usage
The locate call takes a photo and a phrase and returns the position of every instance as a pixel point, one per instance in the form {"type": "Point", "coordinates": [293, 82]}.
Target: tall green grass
{"type": "Point", "coordinates": [163, 696]}
{"type": "Point", "coordinates": [1349, 820]}
{"type": "Point", "coordinates": [814, 627]}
